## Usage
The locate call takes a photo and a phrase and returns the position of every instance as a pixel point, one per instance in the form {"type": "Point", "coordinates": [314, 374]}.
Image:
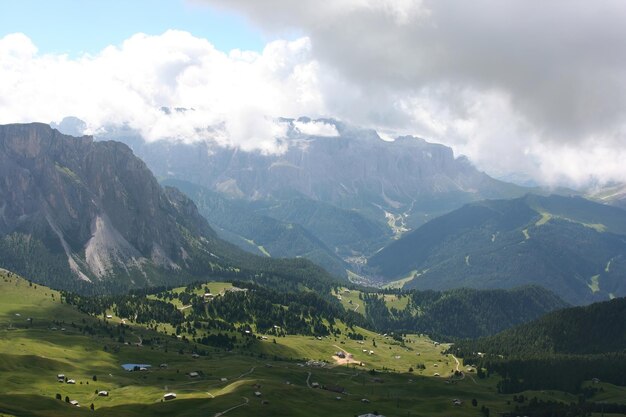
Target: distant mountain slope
{"type": "Point", "coordinates": [238, 222]}
{"type": "Point", "coordinates": [345, 231]}
{"type": "Point", "coordinates": [404, 183]}
{"type": "Point", "coordinates": [597, 328]}
{"type": "Point", "coordinates": [76, 211]}
{"type": "Point", "coordinates": [571, 246]}
{"type": "Point", "coordinates": [614, 195]}
{"type": "Point", "coordinates": [462, 313]}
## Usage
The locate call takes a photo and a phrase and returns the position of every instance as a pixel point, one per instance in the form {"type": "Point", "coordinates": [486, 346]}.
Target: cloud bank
{"type": "Point", "coordinates": [515, 85]}
{"type": "Point", "coordinates": [232, 97]}
{"type": "Point", "coordinates": [536, 90]}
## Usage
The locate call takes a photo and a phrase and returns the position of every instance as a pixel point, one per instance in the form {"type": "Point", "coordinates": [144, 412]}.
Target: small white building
{"type": "Point", "coordinates": [109, 316]}
{"type": "Point", "coordinates": [169, 396]}
{"type": "Point", "coordinates": [257, 393]}
{"type": "Point", "coordinates": [71, 381]}
{"type": "Point", "coordinates": [103, 393]}
{"type": "Point", "coordinates": [223, 379]}
{"type": "Point", "coordinates": [75, 403]}
{"type": "Point", "coordinates": [194, 374]}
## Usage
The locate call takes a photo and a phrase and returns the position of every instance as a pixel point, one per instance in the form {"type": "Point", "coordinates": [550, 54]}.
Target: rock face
{"type": "Point", "coordinates": [409, 179]}
{"type": "Point", "coordinates": [92, 210]}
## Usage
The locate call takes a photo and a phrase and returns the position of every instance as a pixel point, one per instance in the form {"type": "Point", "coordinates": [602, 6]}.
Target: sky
{"type": "Point", "coordinates": [526, 90]}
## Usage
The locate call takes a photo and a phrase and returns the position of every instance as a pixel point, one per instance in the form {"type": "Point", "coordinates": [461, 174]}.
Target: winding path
{"type": "Point", "coordinates": [457, 363]}
{"type": "Point", "coordinates": [246, 401]}
{"type": "Point", "coordinates": [246, 373]}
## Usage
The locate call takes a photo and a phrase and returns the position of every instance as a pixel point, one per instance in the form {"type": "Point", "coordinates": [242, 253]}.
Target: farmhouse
{"type": "Point", "coordinates": [74, 403]}
{"type": "Point", "coordinates": [61, 377]}
{"type": "Point", "coordinates": [169, 396]}
{"type": "Point", "coordinates": [109, 316]}
{"type": "Point", "coordinates": [257, 393]}
{"type": "Point", "coordinates": [194, 374]}
{"type": "Point", "coordinates": [163, 366]}
{"type": "Point", "coordinates": [340, 355]}
{"type": "Point", "coordinates": [103, 393]}
{"type": "Point", "coordinates": [71, 381]}
{"type": "Point", "coordinates": [315, 385]}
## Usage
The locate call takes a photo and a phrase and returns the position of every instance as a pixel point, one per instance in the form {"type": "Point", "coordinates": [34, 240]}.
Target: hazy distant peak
{"type": "Point", "coordinates": [70, 125]}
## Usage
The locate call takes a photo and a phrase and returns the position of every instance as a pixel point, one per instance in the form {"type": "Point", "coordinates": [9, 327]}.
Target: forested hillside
{"type": "Point", "coordinates": [460, 313]}
{"type": "Point", "coordinates": [238, 222]}
{"type": "Point", "coordinates": [569, 245]}
{"type": "Point", "coordinates": [557, 351]}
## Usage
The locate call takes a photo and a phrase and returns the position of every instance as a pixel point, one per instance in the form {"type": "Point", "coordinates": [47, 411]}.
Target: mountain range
{"type": "Point", "coordinates": [399, 184]}
{"type": "Point", "coordinates": [76, 213]}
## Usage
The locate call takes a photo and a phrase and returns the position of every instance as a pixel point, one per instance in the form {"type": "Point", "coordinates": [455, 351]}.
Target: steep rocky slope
{"type": "Point", "coordinates": [74, 208]}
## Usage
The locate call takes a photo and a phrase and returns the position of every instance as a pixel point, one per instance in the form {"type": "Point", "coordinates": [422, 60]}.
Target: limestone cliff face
{"type": "Point", "coordinates": [94, 205]}
{"type": "Point", "coordinates": [356, 170]}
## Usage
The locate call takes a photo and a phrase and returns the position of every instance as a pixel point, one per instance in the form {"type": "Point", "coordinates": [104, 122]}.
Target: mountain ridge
{"type": "Point", "coordinates": [92, 209]}
{"type": "Point", "coordinates": [555, 241]}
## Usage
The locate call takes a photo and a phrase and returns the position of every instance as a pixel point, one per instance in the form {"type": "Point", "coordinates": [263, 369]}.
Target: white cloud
{"type": "Point", "coordinates": [509, 82]}
{"type": "Point", "coordinates": [233, 97]}
{"type": "Point", "coordinates": [518, 88]}
{"type": "Point", "coordinates": [316, 128]}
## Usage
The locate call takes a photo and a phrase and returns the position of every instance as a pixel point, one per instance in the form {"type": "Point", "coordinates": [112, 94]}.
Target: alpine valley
{"type": "Point", "coordinates": [345, 275]}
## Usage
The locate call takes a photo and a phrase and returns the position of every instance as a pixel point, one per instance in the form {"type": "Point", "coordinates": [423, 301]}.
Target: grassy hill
{"type": "Point", "coordinates": [61, 339]}
{"type": "Point", "coordinates": [571, 246]}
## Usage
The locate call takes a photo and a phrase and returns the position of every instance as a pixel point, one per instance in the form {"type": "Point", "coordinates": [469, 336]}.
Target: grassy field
{"type": "Point", "coordinates": [351, 301]}
{"type": "Point", "coordinates": [56, 340]}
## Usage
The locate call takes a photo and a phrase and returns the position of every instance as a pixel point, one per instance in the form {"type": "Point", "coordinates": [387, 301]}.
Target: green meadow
{"type": "Point", "coordinates": [41, 337]}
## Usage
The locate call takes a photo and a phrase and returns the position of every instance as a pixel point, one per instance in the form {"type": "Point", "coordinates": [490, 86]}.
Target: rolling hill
{"type": "Point", "coordinates": [572, 246]}
{"type": "Point", "coordinates": [593, 329]}
{"type": "Point", "coordinates": [458, 313]}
